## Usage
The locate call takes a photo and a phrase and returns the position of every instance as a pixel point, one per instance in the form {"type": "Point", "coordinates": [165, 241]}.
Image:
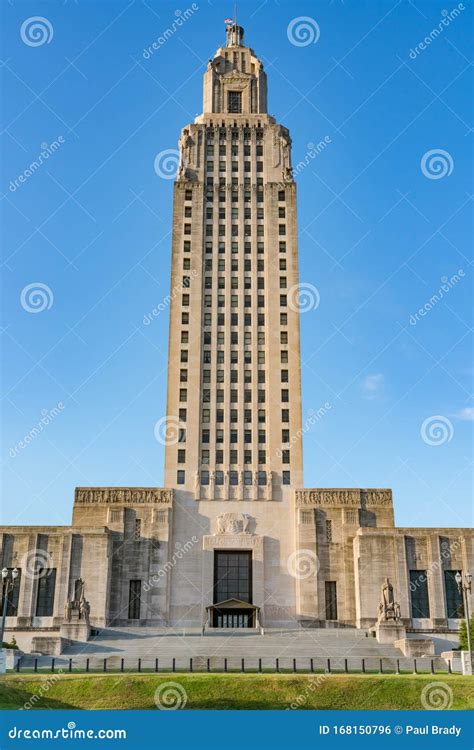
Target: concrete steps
{"type": "Point", "coordinates": [168, 644]}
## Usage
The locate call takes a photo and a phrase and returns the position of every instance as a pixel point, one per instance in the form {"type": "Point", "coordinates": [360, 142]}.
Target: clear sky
{"type": "Point", "coordinates": [382, 223]}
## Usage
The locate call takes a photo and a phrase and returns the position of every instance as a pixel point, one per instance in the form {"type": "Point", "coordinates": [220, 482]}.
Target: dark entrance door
{"type": "Point", "coordinates": [232, 580]}
{"type": "Point", "coordinates": [233, 618]}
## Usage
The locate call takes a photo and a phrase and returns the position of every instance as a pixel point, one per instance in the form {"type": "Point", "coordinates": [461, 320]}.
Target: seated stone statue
{"type": "Point", "coordinates": [388, 608]}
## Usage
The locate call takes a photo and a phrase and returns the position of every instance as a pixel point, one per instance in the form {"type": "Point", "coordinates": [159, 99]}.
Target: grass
{"type": "Point", "coordinates": [230, 691]}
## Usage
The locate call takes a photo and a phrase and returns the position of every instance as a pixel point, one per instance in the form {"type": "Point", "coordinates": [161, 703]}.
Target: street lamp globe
{"type": "Point", "coordinates": [15, 573]}
{"type": "Point", "coordinates": [458, 578]}
{"type": "Point", "coordinates": [4, 573]}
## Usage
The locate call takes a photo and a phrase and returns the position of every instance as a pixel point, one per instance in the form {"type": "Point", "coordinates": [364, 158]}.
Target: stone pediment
{"type": "Point", "coordinates": [233, 604]}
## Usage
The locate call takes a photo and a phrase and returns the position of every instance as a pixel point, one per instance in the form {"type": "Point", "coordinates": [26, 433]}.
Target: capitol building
{"type": "Point", "coordinates": [234, 539]}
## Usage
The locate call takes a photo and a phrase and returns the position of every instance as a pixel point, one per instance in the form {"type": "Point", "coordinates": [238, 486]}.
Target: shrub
{"type": "Point", "coordinates": [463, 634]}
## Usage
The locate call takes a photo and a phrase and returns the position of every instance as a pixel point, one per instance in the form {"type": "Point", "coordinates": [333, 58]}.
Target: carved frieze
{"type": "Point", "coordinates": [233, 523]}
{"type": "Point", "coordinates": [343, 497]}
{"type": "Point", "coordinates": [123, 495]}
{"type": "Point", "coordinates": [376, 497]}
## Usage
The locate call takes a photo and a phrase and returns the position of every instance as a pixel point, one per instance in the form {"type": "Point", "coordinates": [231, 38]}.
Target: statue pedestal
{"type": "Point", "coordinates": [388, 631]}
{"type": "Point", "coordinates": [78, 630]}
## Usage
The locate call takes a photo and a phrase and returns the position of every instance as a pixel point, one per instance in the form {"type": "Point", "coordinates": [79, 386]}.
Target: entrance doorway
{"type": "Point", "coordinates": [233, 590]}
{"type": "Point", "coordinates": [232, 576]}
{"type": "Point", "coordinates": [233, 618]}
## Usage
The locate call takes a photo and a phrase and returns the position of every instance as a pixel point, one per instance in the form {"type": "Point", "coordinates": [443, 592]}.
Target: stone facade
{"type": "Point", "coordinates": [233, 463]}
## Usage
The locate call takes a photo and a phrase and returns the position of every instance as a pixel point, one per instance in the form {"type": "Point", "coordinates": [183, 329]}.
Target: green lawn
{"type": "Point", "coordinates": [231, 691]}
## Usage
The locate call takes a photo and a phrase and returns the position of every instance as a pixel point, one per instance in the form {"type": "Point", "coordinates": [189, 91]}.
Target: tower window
{"type": "Point", "coordinates": [234, 101]}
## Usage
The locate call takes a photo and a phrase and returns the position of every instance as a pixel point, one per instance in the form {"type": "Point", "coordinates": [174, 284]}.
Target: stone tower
{"type": "Point", "coordinates": [234, 388]}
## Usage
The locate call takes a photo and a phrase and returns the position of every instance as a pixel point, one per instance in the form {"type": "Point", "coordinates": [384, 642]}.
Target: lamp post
{"type": "Point", "coordinates": [8, 584]}
{"type": "Point", "coordinates": [464, 587]}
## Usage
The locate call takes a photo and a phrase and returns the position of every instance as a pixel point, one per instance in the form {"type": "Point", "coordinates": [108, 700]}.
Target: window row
{"type": "Point", "coordinates": [234, 282]}
{"type": "Point", "coordinates": [234, 415]}
{"type": "Point", "coordinates": [235, 230]}
{"type": "Point", "coordinates": [222, 375]}
{"type": "Point", "coordinates": [221, 247]}
{"type": "Point", "coordinates": [188, 195]}
{"type": "Point", "coordinates": [234, 149]}
{"type": "Point", "coordinates": [233, 477]}
{"type": "Point", "coordinates": [234, 166]}
{"type": "Point", "coordinates": [261, 397]}
{"type": "Point", "coordinates": [234, 319]}
{"type": "Point", "coordinates": [234, 264]}
{"type": "Point", "coordinates": [235, 135]}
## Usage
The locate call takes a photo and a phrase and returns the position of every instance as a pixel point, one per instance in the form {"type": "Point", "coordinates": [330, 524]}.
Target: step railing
{"type": "Point", "coordinates": [301, 665]}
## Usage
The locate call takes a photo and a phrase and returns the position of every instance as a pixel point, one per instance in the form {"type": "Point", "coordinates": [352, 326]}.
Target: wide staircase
{"type": "Point", "coordinates": [167, 649]}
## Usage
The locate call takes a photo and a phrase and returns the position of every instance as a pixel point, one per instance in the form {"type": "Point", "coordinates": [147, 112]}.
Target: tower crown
{"type": "Point", "coordinates": [235, 82]}
{"type": "Point", "coordinates": [234, 35]}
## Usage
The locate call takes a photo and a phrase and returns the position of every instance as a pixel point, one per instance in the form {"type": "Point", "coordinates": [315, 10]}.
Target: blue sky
{"type": "Point", "coordinates": [378, 233]}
